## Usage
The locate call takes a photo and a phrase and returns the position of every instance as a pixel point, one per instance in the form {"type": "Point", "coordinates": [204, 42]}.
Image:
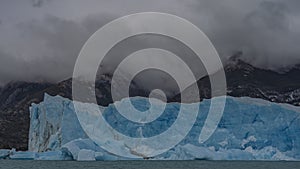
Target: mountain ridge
{"type": "Point", "coordinates": [243, 79]}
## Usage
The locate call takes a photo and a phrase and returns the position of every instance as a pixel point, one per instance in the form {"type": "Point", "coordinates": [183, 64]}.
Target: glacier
{"type": "Point", "coordinates": [250, 129]}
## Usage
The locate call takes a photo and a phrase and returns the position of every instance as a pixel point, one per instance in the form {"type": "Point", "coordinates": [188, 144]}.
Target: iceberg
{"type": "Point", "coordinates": [62, 155]}
{"type": "Point", "coordinates": [75, 146]}
{"type": "Point", "coordinates": [250, 129]}
{"type": "Point", "coordinates": [86, 155]}
{"type": "Point", "coordinates": [4, 153]}
{"type": "Point", "coordinates": [23, 155]}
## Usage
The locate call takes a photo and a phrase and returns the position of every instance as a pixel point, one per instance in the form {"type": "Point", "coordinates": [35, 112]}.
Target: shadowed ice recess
{"type": "Point", "coordinates": [250, 129]}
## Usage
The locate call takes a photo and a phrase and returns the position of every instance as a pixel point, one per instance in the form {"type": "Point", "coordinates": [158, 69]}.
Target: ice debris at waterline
{"type": "Point", "coordinates": [250, 129]}
{"type": "Point", "coordinates": [62, 154]}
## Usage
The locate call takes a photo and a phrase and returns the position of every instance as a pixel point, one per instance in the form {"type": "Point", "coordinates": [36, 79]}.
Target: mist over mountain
{"type": "Point", "coordinates": [41, 39]}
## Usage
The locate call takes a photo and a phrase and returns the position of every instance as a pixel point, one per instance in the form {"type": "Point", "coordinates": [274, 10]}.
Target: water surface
{"type": "Point", "coordinates": [13, 164]}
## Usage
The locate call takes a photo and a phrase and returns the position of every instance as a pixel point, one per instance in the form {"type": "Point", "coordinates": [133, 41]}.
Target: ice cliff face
{"type": "Point", "coordinates": [52, 124]}
{"type": "Point", "coordinates": [249, 129]}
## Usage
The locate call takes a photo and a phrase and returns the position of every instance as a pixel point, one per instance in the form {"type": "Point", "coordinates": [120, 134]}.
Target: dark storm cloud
{"type": "Point", "coordinates": [62, 40]}
{"type": "Point", "coordinates": [38, 3]}
{"type": "Point", "coordinates": [265, 31]}
{"type": "Point", "coordinates": [45, 41]}
{"type": "Point", "coordinates": [54, 46]}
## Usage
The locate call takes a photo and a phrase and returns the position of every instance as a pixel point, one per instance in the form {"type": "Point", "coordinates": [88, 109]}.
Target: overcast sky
{"type": "Point", "coordinates": [40, 39]}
